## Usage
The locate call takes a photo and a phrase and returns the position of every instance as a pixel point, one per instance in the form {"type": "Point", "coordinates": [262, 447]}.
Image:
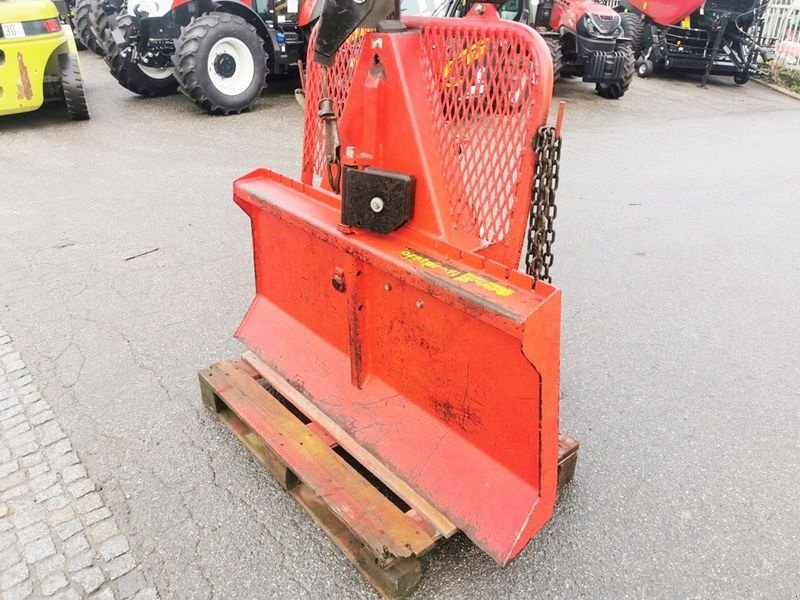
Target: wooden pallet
{"type": "Point", "coordinates": [380, 524]}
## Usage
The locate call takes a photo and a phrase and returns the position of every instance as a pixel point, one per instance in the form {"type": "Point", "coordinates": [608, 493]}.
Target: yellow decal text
{"type": "Point", "coordinates": [455, 274]}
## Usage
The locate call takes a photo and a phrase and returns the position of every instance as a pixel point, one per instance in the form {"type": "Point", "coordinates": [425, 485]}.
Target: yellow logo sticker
{"type": "Point", "coordinates": [466, 57]}
{"type": "Point", "coordinates": [456, 274]}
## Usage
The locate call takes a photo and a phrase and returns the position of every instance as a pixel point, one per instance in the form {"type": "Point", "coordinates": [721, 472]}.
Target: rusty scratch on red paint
{"type": "Point", "coordinates": [24, 89]}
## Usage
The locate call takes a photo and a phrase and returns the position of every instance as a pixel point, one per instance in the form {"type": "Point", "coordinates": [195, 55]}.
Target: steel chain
{"type": "Point", "coordinates": [541, 234]}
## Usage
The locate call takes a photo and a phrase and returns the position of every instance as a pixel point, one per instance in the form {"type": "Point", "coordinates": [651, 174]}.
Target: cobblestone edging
{"type": "Point", "coordinates": [58, 539]}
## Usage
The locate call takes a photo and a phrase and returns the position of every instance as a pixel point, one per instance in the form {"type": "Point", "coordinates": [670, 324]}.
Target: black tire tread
{"type": "Point", "coordinates": [99, 24]}
{"type": "Point", "coordinates": [71, 18]}
{"type": "Point", "coordinates": [617, 89]}
{"type": "Point", "coordinates": [633, 26]}
{"type": "Point", "coordinates": [83, 27]}
{"type": "Point", "coordinates": [94, 13]}
{"type": "Point", "coordinates": [72, 86]}
{"type": "Point", "coordinates": [128, 74]}
{"type": "Point", "coordinates": [187, 64]}
{"type": "Point", "coordinates": [554, 45]}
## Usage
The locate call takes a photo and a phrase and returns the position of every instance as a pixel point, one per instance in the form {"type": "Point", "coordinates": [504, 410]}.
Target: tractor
{"type": "Point", "coordinates": [716, 37]}
{"type": "Point", "coordinates": [586, 39]}
{"type": "Point", "coordinates": [217, 52]}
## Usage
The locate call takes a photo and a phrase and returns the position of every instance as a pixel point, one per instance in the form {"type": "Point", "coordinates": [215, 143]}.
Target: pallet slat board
{"type": "Point", "coordinates": [394, 483]}
{"type": "Point", "coordinates": [379, 537]}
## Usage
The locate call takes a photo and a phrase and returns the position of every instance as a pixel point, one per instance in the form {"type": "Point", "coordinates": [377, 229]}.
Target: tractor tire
{"type": "Point", "coordinates": [98, 20]}
{"type": "Point", "coordinates": [617, 89]}
{"type": "Point", "coordinates": [78, 43]}
{"type": "Point", "coordinates": [130, 75]}
{"type": "Point", "coordinates": [72, 86]}
{"type": "Point", "coordinates": [554, 45]}
{"type": "Point", "coordinates": [72, 25]}
{"type": "Point", "coordinates": [633, 26]}
{"type": "Point", "coordinates": [220, 63]}
{"type": "Point", "coordinates": [83, 27]}
{"type": "Point", "coordinates": [95, 12]}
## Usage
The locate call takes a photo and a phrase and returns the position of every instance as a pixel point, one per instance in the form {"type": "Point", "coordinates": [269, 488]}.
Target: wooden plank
{"type": "Point", "coordinates": [567, 458]}
{"type": "Point", "coordinates": [395, 580]}
{"type": "Point", "coordinates": [210, 398]}
{"type": "Point", "coordinates": [282, 474]}
{"type": "Point", "coordinates": [373, 519]}
{"type": "Point", "coordinates": [213, 390]}
{"type": "Point", "coordinates": [440, 523]}
{"type": "Point", "coordinates": [318, 431]}
{"type": "Point", "coordinates": [426, 525]}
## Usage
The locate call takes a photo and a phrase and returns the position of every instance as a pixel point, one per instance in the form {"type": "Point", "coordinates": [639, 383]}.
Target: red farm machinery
{"type": "Point", "coordinates": [586, 39]}
{"type": "Point", "coordinates": [402, 374]}
{"type": "Point", "coordinates": [714, 37]}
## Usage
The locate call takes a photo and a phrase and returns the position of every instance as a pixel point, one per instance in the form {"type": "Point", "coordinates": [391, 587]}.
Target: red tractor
{"type": "Point", "coordinates": [217, 52]}
{"type": "Point", "coordinates": [586, 39]}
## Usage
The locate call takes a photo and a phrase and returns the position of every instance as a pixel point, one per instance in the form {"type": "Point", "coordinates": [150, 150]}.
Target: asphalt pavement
{"type": "Point", "coordinates": [125, 267]}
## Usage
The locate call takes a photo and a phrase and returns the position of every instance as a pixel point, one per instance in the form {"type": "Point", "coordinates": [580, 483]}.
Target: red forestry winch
{"type": "Point", "coordinates": [389, 307]}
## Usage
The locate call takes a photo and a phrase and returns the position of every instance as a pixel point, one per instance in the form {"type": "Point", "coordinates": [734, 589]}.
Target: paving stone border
{"type": "Point", "coordinates": [58, 539]}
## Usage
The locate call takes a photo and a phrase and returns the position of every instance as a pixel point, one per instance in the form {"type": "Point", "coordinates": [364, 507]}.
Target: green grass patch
{"type": "Point", "coordinates": [786, 77]}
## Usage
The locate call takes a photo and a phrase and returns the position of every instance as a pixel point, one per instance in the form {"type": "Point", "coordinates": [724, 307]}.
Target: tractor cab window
{"type": "Point", "coordinates": [280, 11]}
{"type": "Point", "coordinates": [510, 10]}
{"type": "Point", "coordinates": [261, 7]}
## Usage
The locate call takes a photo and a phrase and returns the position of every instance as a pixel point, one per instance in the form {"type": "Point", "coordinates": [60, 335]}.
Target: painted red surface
{"type": "Point", "coordinates": [667, 12]}
{"type": "Point", "coordinates": [430, 348]}
{"type": "Point", "coordinates": [567, 13]}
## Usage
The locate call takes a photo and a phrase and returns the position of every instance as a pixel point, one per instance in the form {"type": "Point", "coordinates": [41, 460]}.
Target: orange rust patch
{"type": "Point", "coordinates": [24, 89]}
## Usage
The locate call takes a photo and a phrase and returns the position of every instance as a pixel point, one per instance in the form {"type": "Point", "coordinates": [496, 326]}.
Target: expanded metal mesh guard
{"type": "Point", "coordinates": [480, 90]}
{"type": "Point", "coordinates": [485, 111]}
{"type": "Point", "coordinates": [340, 76]}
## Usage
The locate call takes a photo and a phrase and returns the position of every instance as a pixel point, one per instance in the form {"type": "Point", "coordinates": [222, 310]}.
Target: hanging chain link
{"type": "Point", "coordinates": [541, 235]}
{"type": "Point", "coordinates": [330, 132]}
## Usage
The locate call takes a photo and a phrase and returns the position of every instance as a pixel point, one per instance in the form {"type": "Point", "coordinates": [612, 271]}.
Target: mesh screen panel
{"type": "Point", "coordinates": [481, 93]}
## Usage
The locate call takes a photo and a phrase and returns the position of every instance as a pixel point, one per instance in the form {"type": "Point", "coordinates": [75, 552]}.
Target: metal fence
{"type": "Point", "coordinates": [781, 32]}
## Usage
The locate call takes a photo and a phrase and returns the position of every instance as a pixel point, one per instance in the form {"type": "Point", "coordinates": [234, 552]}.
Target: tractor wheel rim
{"type": "Point", "coordinates": [156, 72]}
{"type": "Point", "coordinates": [230, 66]}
